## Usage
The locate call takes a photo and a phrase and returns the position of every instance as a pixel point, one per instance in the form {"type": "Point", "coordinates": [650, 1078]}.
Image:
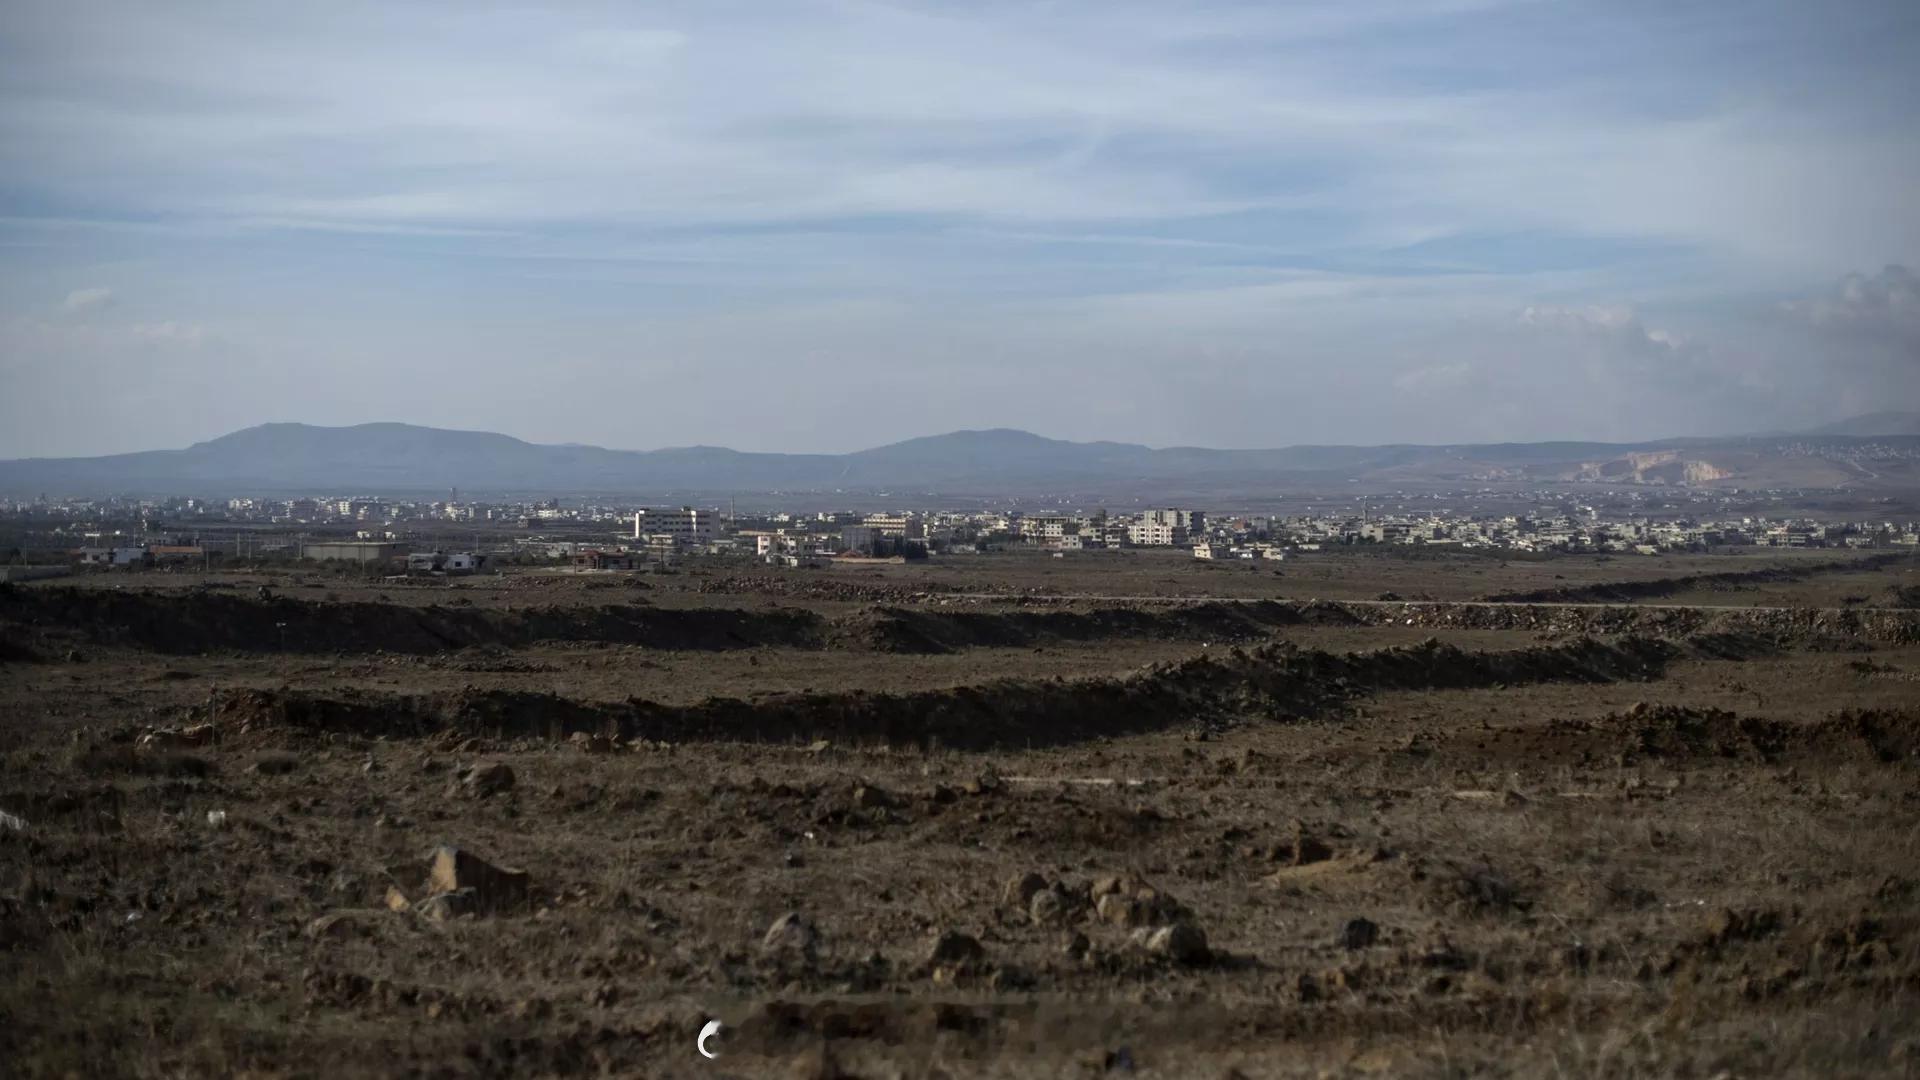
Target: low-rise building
{"type": "Point", "coordinates": [359, 551]}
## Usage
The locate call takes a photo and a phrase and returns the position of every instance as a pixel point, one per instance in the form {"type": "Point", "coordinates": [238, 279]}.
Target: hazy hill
{"type": "Point", "coordinates": [403, 458]}
{"type": "Point", "coordinates": [1880, 423]}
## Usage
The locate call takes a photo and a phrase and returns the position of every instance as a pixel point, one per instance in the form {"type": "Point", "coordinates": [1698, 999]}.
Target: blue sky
{"type": "Point", "coordinates": [825, 226]}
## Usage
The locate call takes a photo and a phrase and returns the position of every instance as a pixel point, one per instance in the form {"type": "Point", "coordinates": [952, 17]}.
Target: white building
{"type": "Point", "coordinates": [1166, 528]}
{"type": "Point", "coordinates": [684, 526]}
{"type": "Point", "coordinates": [896, 526]}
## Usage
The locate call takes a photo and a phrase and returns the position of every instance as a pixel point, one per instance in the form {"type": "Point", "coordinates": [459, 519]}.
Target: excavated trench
{"type": "Point", "coordinates": [1625, 592]}
{"type": "Point", "coordinates": [200, 622]}
{"type": "Point", "coordinates": [44, 621]}
{"type": "Point", "coordinates": [1677, 734]}
{"type": "Point", "coordinates": [1274, 682]}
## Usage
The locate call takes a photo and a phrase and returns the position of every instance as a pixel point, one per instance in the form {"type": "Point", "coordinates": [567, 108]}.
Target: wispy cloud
{"type": "Point", "coordinates": [80, 300]}
{"type": "Point", "coordinates": [1225, 200]}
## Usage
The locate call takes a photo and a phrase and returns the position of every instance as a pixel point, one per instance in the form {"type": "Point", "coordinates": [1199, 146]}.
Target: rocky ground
{"type": "Point", "coordinates": [907, 828]}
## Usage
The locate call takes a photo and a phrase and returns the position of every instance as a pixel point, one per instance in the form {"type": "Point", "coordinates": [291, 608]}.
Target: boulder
{"type": "Point", "coordinates": [274, 764]}
{"type": "Point", "coordinates": [871, 797]}
{"type": "Point", "coordinates": [955, 949]}
{"type": "Point", "coordinates": [494, 889]}
{"type": "Point", "coordinates": [1052, 906]}
{"type": "Point", "coordinates": [984, 784]}
{"type": "Point", "coordinates": [591, 744]}
{"type": "Point", "coordinates": [1359, 934]}
{"type": "Point", "coordinates": [1306, 848]}
{"type": "Point", "coordinates": [1020, 891]}
{"type": "Point", "coordinates": [440, 907]}
{"type": "Point", "coordinates": [483, 781]}
{"type": "Point", "coordinates": [790, 933]}
{"type": "Point", "coordinates": [1131, 902]}
{"type": "Point", "coordinates": [1183, 943]}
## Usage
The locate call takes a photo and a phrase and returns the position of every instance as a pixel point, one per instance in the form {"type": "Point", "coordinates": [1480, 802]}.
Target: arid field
{"type": "Point", "coordinates": [1353, 813]}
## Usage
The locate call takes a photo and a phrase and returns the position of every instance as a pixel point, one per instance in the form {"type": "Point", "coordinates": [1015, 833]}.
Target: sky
{"type": "Point", "coordinates": [823, 227]}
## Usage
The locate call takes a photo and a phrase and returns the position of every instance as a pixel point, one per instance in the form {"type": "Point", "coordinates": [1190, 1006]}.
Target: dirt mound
{"type": "Point", "coordinates": [47, 621]}
{"type": "Point", "coordinates": [1677, 734]}
{"type": "Point", "coordinates": [1902, 596]}
{"type": "Point", "coordinates": [1275, 682]}
{"type": "Point", "coordinates": [1776, 627]}
{"type": "Point", "coordinates": [919, 630]}
{"type": "Point", "coordinates": [205, 621]}
{"type": "Point", "coordinates": [1622, 592]}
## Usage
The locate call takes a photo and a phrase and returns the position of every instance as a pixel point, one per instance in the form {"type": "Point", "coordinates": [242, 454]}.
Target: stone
{"type": "Point", "coordinates": [870, 797]}
{"type": "Point", "coordinates": [955, 949]}
{"type": "Point", "coordinates": [274, 764]}
{"type": "Point", "coordinates": [591, 744]}
{"type": "Point", "coordinates": [984, 784]}
{"type": "Point", "coordinates": [1050, 907]}
{"type": "Point", "coordinates": [347, 922]}
{"type": "Point", "coordinates": [495, 889]}
{"type": "Point", "coordinates": [1020, 891]}
{"type": "Point", "coordinates": [441, 907]}
{"type": "Point", "coordinates": [487, 780]}
{"type": "Point", "coordinates": [1117, 910]}
{"type": "Point", "coordinates": [1359, 934]}
{"type": "Point", "coordinates": [1183, 944]}
{"type": "Point", "coordinates": [790, 933]}
{"type": "Point", "coordinates": [397, 900]}
{"type": "Point", "coordinates": [1307, 849]}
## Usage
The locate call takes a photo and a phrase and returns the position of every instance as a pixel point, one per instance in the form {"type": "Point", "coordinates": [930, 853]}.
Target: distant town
{"type": "Point", "coordinates": [455, 536]}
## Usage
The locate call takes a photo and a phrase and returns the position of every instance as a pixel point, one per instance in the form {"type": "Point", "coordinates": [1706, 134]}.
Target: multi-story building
{"type": "Point", "coordinates": [683, 526]}
{"type": "Point", "coordinates": [1166, 528]}
{"type": "Point", "coordinates": [895, 526]}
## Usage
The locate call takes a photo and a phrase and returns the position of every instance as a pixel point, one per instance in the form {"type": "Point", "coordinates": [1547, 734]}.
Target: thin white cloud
{"type": "Point", "coordinates": [81, 300]}
{"type": "Point", "coordinates": [1117, 204]}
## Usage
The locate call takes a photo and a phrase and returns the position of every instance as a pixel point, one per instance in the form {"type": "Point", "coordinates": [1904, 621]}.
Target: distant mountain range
{"type": "Point", "coordinates": [406, 459]}
{"type": "Point", "coordinates": [1880, 423]}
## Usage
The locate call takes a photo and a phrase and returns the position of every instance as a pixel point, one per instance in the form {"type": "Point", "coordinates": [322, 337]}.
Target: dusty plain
{"type": "Point", "coordinates": [1353, 813]}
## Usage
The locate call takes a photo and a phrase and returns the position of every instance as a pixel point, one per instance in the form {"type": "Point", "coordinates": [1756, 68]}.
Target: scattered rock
{"type": "Point", "coordinates": [483, 781]}
{"type": "Point", "coordinates": [494, 889]}
{"type": "Point", "coordinates": [1183, 943]}
{"type": "Point", "coordinates": [1118, 910]}
{"type": "Point", "coordinates": [984, 784]}
{"type": "Point", "coordinates": [1359, 934]}
{"type": "Point", "coordinates": [1011, 979]}
{"type": "Point", "coordinates": [1307, 849]}
{"type": "Point", "coordinates": [591, 744]}
{"type": "Point", "coordinates": [871, 797]}
{"type": "Point", "coordinates": [1020, 891]}
{"type": "Point", "coordinates": [1129, 901]}
{"type": "Point", "coordinates": [1051, 906]}
{"type": "Point", "coordinates": [343, 923]}
{"type": "Point", "coordinates": [442, 907]}
{"type": "Point", "coordinates": [955, 949]}
{"type": "Point", "coordinates": [790, 933]}
{"type": "Point", "coordinates": [274, 764]}
{"type": "Point", "coordinates": [1727, 925]}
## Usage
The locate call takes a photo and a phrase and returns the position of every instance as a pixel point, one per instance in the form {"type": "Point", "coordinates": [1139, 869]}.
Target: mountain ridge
{"type": "Point", "coordinates": [390, 456]}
